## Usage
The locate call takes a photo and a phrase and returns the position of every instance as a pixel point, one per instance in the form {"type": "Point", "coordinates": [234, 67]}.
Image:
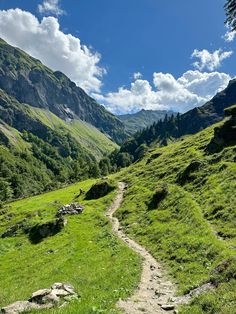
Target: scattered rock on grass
{"type": "Point", "coordinates": [59, 294]}
{"type": "Point", "coordinates": [72, 209]}
{"type": "Point", "coordinates": [187, 175]}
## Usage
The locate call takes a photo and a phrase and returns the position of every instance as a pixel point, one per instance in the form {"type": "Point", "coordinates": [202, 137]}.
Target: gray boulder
{"type": "Point", "coordinates": [59, 294]}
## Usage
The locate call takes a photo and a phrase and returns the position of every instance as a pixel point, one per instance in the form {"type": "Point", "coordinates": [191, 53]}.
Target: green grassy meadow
{"type": "Point", "coordinates": [85, 254]}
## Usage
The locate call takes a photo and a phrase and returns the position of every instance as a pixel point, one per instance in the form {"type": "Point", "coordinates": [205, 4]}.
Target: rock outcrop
{"type": "Point", "coordinates": [99, 189]}
{"type": "Point", "coordinates": [58, 295]}
{"type": "Point", "coordinates": [224, 135]}
{"type": "Point", "coordinates": [30, 82]}
{"type": "Point", "coordinates": [48, 229]}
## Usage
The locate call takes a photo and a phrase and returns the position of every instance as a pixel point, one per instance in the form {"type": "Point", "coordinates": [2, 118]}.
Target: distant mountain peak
{"type": "Point", "coordinates": [142, 119]}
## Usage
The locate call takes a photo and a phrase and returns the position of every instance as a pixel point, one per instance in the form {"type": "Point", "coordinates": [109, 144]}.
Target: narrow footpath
{"type": "Point", "coordinates": [155, 291]}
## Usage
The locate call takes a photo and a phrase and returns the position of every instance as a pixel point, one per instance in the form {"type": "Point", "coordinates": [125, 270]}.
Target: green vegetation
{"type": "Point", "coordinates": [39, 151]}
{"type": "Point", "coordinates": [84, 253]}
{"type": "Point", "coordinates": [173, 127]}
{"type": "Point", "coordinates": [90, 138]}
{"type": "Point", "coordinates": [181, 204]}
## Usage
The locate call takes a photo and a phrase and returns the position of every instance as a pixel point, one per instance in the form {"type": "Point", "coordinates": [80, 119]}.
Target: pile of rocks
{"type": "Point", "coordinates": [58, 295]}
{"type": "Point", "coordinates": [72, 209]}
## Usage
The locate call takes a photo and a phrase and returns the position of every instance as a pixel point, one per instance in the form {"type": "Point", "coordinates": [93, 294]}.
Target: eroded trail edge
{"type": "Point", "coordinates": [155, 293]}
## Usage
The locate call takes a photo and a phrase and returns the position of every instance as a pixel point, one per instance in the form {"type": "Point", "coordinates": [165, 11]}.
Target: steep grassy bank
{"type": "Point", "coordinates": [85, 253]}
{"type": "Point", "coordinates": [181, 205]}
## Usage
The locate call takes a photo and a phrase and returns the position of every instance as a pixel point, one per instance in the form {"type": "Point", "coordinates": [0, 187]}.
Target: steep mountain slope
{"type": "Point", "coordinates": [181, 205]}
{"type": "Point", "coordinates": [187, 123]}
{"type": "Point", "coordinates": [39, 151]}
{"type": "Point", "coordinates": [29, 81]}
{"type": "Point", "coordinates": [142, 119]}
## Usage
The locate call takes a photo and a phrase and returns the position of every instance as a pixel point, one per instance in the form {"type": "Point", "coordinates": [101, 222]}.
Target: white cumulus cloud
{"type": "Point", "coordinates": [229, 35]}
{"type": "Point", "coordinates": [137, 75]}
{"type": "Point", "coordinates": [208, 60]}
{"type": "Point", "coordinates": [192, 89]}
{"type": "Point", "coordinates": [50, 7]}
{"type": "Point", "coordinates": [44, 40]}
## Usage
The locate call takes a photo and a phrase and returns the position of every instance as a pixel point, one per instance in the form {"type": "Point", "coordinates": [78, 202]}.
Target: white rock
{"type": "Point", "coordinates": [60, 292]}
{"type": "Point", "coordinates": [69, 288]}
{"type": "Point", "coordinates": [57, 285]}
{"type": "Point", "coordinates": [41, 293]}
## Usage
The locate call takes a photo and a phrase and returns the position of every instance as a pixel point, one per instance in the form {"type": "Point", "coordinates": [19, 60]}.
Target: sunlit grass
{"type": "Point", "coordinates": [85, 254]}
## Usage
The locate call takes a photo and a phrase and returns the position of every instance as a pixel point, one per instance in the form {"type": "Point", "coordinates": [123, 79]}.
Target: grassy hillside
{"type": "Point", "coordinates": [85, 253]}
{"type": "Point", "coordinates": [90, 138]}
{"type": "Point", "coordinates": [39, 151]}
{"type": "Point", "coordinates": [181, 205]}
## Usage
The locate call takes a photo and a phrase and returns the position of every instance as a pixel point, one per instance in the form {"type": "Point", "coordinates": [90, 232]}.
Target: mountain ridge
{"type": "Point", "coordinates": [142, 119]}
{"type": "Point", "coordinates": [44, 144]}
{"type": "Point", "coordinates": [187, 123]}
{"type": "Point", "coordinates": [29, 81]}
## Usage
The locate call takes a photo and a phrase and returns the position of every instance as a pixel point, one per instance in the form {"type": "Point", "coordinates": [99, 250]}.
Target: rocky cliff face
{"type": "Point", "coordinates": [43, 141]}
{"type": "Point", "coordinates": [29, 81]}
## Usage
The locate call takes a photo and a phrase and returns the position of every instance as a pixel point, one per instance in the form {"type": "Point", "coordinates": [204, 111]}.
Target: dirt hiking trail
{"type": "Point", "coordinates": [155, 293]}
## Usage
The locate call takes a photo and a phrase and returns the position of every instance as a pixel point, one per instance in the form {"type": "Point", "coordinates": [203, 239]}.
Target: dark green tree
{"type": "Point", "coordinates": [123, 160]}
{"type": "Point", "coordinates": [105, 166]}
{"type": "Point", "coordinates": [94, 170]}
{"type": "Point", "coordinates": [6, 191]}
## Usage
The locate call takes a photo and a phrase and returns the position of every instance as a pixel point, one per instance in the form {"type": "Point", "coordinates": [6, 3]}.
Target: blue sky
{"type": "Point", "coordinates": [146, 36]}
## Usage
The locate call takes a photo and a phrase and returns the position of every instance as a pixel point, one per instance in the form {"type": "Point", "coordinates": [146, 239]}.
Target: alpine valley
{"type": "Point", "coordinates": [112, 214]}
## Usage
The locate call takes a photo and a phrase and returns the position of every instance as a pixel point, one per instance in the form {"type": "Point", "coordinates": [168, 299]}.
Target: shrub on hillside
{"type": "Point", "coordinates": [159, 195]}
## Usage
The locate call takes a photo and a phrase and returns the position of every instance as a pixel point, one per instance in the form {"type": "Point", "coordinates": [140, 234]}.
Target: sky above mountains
{"type": "Point", "coordinates": [129, 54]}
